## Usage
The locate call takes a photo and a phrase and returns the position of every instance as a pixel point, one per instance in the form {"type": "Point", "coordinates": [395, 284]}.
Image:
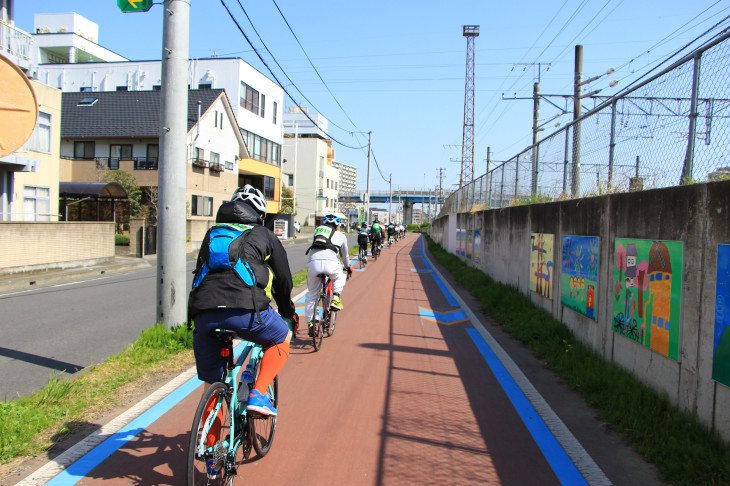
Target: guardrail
{"type": "Point", "coordinates": [14, 41]}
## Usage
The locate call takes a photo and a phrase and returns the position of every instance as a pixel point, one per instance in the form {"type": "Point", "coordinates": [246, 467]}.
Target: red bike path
{"type": "Point", "coordinates": [414, 387]}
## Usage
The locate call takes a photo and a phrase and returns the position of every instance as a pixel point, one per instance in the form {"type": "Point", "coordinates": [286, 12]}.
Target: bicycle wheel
{"type": "Point", "coordinates": [318, 321]}
{"type": "Point", "coordinates": [261, 428]}
{"type": "Point", "coordinates": [331, 325]}
{"type": "Point", "coordinates": [200, 451]}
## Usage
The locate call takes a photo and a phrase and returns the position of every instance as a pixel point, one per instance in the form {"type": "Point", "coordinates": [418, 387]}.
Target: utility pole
{"type": "Point", "coordinates": [171, 211]}
{"type": "Point", "coordinates": [367, 190]}
{"type": "Point", "coordinates": [535, 118]}
{"type": "Point", "coordinates": [577, 110]}
{"type": "Point", "coordinates": [390, 197]}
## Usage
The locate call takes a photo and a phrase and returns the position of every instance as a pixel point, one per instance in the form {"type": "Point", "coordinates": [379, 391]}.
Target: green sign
{"type": "Point", "coordinates": [134, 5]}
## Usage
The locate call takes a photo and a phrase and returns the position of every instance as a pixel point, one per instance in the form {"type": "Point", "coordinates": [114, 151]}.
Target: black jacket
{"type": "Point", "coordinates": [267, 257]}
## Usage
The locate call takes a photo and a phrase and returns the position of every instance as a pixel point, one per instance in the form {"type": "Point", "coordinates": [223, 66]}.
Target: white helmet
{"type": "Point", "coordinates": [251, 196]}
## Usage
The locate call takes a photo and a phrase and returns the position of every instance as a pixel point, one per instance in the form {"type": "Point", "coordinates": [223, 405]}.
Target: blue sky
{"type": "Point", "coordinates": [397, 68]}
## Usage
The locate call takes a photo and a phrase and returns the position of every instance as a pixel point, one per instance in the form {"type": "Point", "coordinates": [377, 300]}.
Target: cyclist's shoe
{"type": "Point", "coordinates": [260, 404]}
{"type": "Point", "coordinates": [336, 303]}
{"type": "Point", "coordinates": [364, 259]}
{"type": "Point", "coordinates": [210, 469]}
{"type": "Point", "coordinates": [310, 325]}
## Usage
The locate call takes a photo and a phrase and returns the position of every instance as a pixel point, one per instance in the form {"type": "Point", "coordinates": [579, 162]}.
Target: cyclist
{"type": "Point", "coordinates": [327, 244]}
{"type": "Point", "coordinates": [375, 239]}
{"type": "Point", "coordinates": [222, 300]}
{"type": "Point", "coordinates": [391, 232]}
{"type": "Point", "coordinates": [362, 240]}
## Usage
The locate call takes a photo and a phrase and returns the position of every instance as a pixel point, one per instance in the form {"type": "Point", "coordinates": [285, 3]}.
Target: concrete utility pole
{"type": "Point", "coordinates": [535, 130]}
{"type": "Point", "coordinates": [367, 190]}
{"type": "Point", "coordinates": [577, 110]}
{"type": "Point", "coordinates": [172, 289]}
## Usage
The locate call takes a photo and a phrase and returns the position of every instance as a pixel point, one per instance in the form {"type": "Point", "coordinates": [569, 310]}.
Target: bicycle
{"type": "Point", "coordinates": [238, 431]}
{"type": "Point", "coordinates": [363, 255]}
{"type": "Point", "coordinates": [324, 323]}
{"type": "Point", "coordinates": [375, 250]}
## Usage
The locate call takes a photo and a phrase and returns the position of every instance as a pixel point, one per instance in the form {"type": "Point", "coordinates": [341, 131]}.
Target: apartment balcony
{"type": "Point", "coordinates": [215, 167]}
{"type": "Point", "coordinates": [15, 44]}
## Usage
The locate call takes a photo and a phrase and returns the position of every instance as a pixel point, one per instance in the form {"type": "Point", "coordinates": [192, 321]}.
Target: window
{"type": "Point", "coordinates": [117, 153]}
{"type": "Point", "coordinates": [275, 112]}
{"type": "Point", "coordinates": [229, 165]}
{"type": "Point", "coordinates": [215, 122]}
{"type": "Point", "coordinates": [122, 88]}
{"type": "Point", "coordinates": [249, 98]}
{"type": "Point", "coordinates": [90, 101]}
{"type": "Point", "coordinates": [201, 206]}
{"type": "Point", "coordinates": [36, 203]}
{"type": "Point", "coordinates": [205, 86]}
{"type": "Point", "coordinates": [40, 139]}
{"type": "Point", "coordinates": [263, 105]}
{"type": "Point", "coordinates": [269, 183]}
{"type": "Point", "coordinates": [157, 87]}
{"type": "Point", "coordinates": [85, 89]}
{"type": "Point", "coordinates": [291, 179]}
{"type": "Point", "coordinates": [221, 125]}
{"type": "Point", "coordinates": [84, 150]}
{"type": "Point", "coordinates": [215, 159]}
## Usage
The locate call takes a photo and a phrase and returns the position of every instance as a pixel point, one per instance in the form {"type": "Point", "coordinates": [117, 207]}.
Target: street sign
{"type": "Point", "coordinates": [134, 5]}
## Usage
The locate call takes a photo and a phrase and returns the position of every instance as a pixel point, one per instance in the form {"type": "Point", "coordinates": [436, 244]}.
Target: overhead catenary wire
{"type": "Point", "coordinates": [256, 51]}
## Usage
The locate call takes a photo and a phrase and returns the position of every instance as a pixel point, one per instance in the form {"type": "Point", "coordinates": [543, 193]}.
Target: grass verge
{"type": "Point", "coordinates": [32, 424]}
{"type": "Point", "coordinates": [683, 449]}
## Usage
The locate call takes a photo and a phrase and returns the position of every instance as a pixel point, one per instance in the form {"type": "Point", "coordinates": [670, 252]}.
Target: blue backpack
{"type": "Point", "coordinates": [220, 238]}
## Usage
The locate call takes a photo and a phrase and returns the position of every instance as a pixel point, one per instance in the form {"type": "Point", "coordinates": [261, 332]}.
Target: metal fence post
{"type": "Point", "coordinates": [612, 145]}
{"type": "Point", "coordinates": [689, 157]}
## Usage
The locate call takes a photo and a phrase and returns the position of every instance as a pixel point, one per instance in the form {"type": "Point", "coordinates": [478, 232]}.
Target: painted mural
{"type": "Point", "coordinates": [579, 275]}
{"type": "Point", "coordinates": [647, 290]}
{"type": "Point", "coordinates": [477, 247]}
{"type": "Point", "coordinates": [469, 244]}
{"type": "Point", "coordinates": [541, 263]}
{"type": "Point", "coordinates": [721, 348]}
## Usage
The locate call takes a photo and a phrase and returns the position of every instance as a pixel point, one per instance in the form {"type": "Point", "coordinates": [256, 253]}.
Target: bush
{"type": "Point", "coordinates": [121, 240]}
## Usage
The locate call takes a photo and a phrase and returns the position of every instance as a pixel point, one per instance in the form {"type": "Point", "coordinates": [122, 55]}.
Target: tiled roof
{"type": "Point", "coordinates": [121, 114]}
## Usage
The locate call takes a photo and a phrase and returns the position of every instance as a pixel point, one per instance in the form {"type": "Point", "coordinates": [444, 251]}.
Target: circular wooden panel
{"type": "Point", "coordinates": [18, 107]}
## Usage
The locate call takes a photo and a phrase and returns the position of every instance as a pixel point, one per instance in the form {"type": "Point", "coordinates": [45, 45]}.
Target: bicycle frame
{"type": "Point", "coordinates": [253, 352]}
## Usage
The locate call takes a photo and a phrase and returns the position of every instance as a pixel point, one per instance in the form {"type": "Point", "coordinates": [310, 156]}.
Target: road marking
{"type": "Point", "coordinates": [575, 451]}
{"type": "Point", "coordinates": [447, 318]}
{"type": "Point", "coordinates": [73, 464]}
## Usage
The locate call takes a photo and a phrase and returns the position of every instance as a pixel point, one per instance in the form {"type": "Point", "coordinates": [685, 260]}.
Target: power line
{"type": "Point", "coordinates": [277, 79]}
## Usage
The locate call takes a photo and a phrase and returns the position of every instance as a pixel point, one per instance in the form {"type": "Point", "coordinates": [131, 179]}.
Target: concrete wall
{"type": "Point", "coordinates": [28, 246]}
{"type": "Point", "coordinates": [697, 215]}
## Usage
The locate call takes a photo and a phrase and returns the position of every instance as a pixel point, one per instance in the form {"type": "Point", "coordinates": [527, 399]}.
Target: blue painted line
{"type": "Point", "coordinates": [79, 469]}
{"type": "Point", "coordinates": [301, 299]}
{"type": "Point", "coordinates": [443, 317]}
{"type": "Point", "coordinates": [444, 290]}
{"type": "Point", "coordinates": [559, 461]}
{"type": "Point", "coordinates": [359, 269]}
{"type": "Point", "coordinates": [421, 271]}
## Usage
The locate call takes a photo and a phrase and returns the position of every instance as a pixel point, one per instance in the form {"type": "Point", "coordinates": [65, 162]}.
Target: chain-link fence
{"type": "Point", "coordinates": [672, 129]}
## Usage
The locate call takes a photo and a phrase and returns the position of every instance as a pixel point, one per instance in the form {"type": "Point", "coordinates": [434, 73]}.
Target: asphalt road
{"type": "Point", "coordinates": [78, 322]}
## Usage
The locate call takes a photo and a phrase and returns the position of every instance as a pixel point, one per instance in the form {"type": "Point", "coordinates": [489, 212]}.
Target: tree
{"type": "Point", "coordinates": [287, 200]}
{"type": "Point", "coordinates": [129, 183]}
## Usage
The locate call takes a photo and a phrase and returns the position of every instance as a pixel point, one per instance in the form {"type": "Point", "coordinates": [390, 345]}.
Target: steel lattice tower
{"type": "Point", "coordinates": [467, 141]}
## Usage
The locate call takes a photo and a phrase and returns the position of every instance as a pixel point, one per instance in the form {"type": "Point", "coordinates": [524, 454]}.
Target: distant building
{"type": "Point", "coordinates": [348, 178]}
{"type": "Point", "coordinates": [308, 164]}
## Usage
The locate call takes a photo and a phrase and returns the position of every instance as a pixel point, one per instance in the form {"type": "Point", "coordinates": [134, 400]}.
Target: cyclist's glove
{"type": "Point", "coordinates": [348, 270]}
{"type": "Point", "coordinates": [294, 319]}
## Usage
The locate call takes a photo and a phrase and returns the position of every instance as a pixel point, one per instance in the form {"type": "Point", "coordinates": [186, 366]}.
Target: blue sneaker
{"type": "Point", "coordinates": [260, 404]}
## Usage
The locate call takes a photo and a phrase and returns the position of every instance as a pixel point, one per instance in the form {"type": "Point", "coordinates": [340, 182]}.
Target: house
{"type": "Point", "coordinates": [119, 130]}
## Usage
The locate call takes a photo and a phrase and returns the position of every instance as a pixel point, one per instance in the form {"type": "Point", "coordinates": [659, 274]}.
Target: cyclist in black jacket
{"type": "Point", "coordinates": [221, 300]}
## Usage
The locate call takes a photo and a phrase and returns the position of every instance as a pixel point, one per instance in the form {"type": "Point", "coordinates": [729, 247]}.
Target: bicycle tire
{"type": "Point", "coordinates": [331, 325]}
{"type": "Point", "coordinates": [196, 467]}
{"type": "Point", "coordinates": [261, 428]}
{"type": "Point", "coordinates": [318, 333]}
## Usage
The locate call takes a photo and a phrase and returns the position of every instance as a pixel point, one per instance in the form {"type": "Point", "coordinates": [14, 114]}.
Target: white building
{"type": "Point", "coordinates": [308, 165]}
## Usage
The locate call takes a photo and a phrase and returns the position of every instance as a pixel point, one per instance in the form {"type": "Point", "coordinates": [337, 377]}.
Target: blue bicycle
{"type": "Point", "coordinates": [223, 432]}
